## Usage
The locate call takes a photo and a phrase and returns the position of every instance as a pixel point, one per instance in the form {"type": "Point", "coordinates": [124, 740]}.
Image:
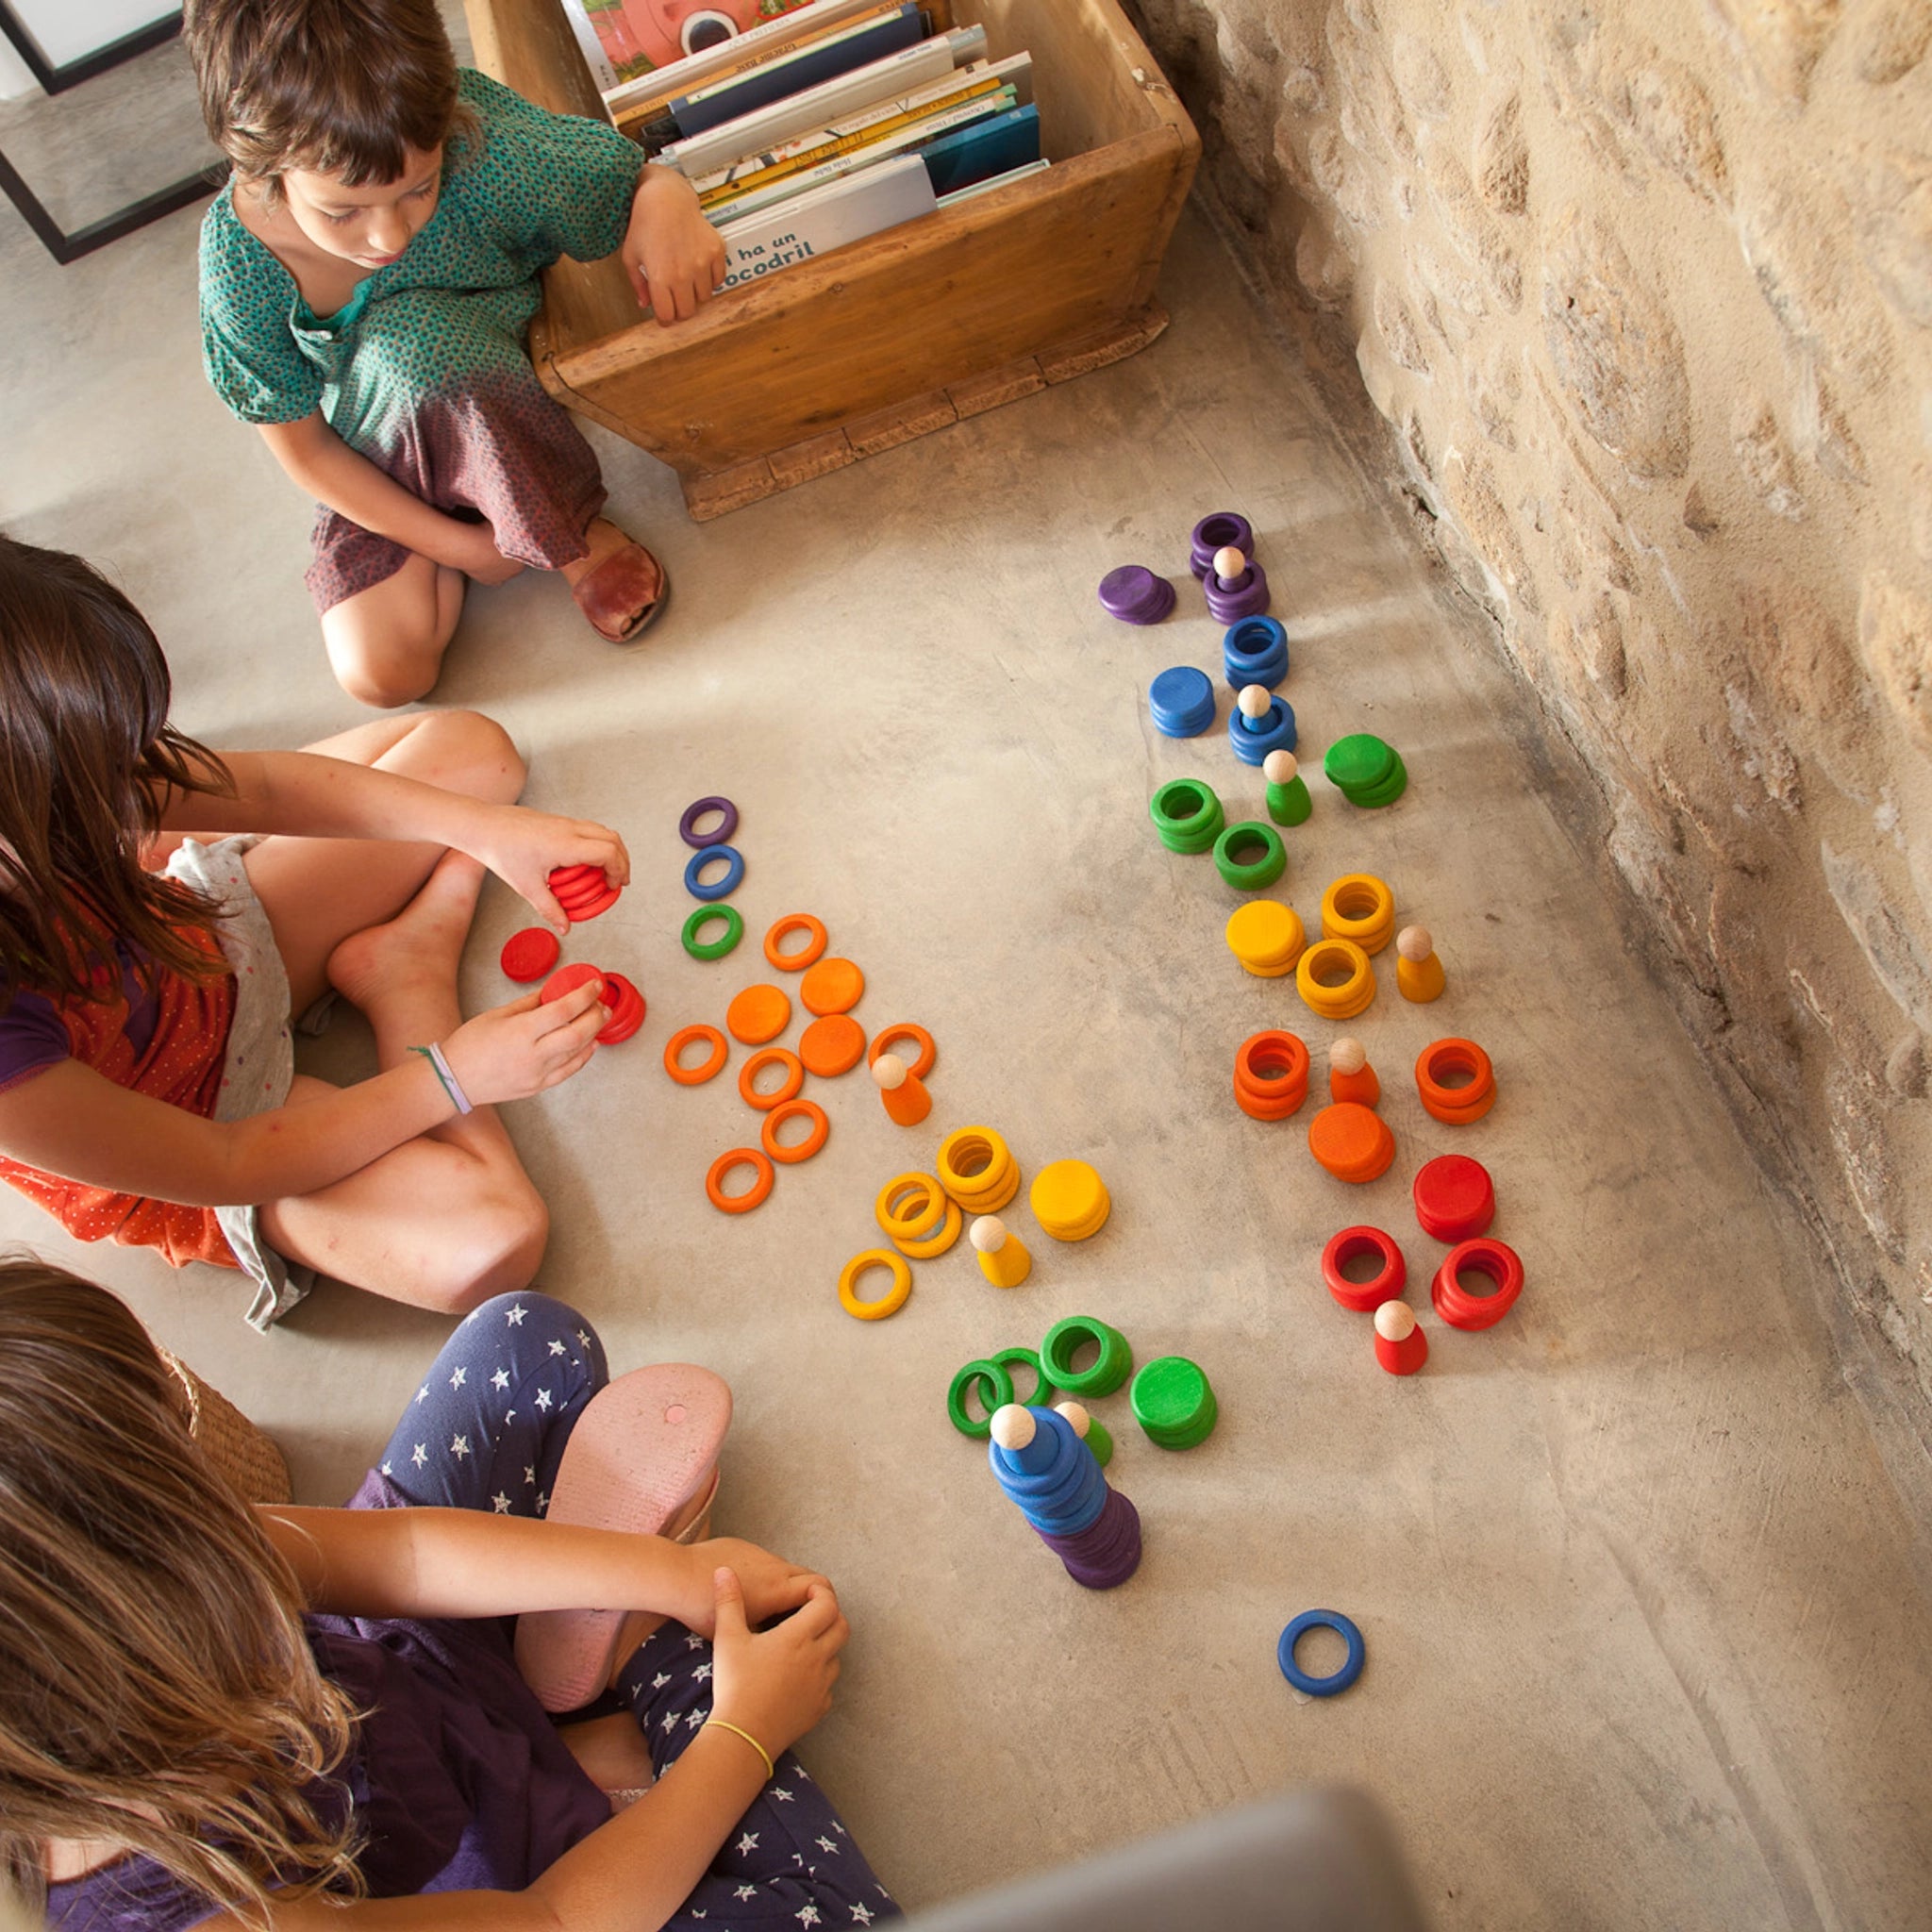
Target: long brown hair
{"type": "Point", "coordinates": [87, 754]}
{"type": "Point", "coordinates": [340, 87]}
{"type": "Point", "coordinates": [155, 1688]}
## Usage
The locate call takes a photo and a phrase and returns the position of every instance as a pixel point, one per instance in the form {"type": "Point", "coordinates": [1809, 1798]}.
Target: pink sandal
{"type": "Point", "coordinates": [643, 1453]}
{"type": "Point", "coordinates": [628, 580]}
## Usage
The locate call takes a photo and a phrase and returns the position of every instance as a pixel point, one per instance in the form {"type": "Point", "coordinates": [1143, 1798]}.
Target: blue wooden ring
{"type": "Point", "coordinates": [1350, 1665]}
{"type": "Point", "coordinates": [733, 872]}
{"type": "Point", "coordinates": [687, 826]}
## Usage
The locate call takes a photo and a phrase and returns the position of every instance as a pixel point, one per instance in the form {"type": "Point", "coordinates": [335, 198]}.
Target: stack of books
{"type": "Point", "coordinates": [833, 120]}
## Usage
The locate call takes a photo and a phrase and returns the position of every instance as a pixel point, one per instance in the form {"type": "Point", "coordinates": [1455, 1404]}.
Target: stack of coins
{"type": "Point", "coordinates": [1455, 1198]}
{"type": "Point", "coordinates": [1266, 937]}
{"type": "Point", "coordinates": [1134, 595]}
{"type": "Point", "coordinates": [1455, 1081]}
{"type": "Point", "coordinates": [1359, 907]}
{"type": "Point", "coordinates": [1254, 651]}
{"type": "Point", "coordinates": [1112, 1363]}
{"type": "Point", "coordinates": [1271, 1076]}
{"type": "Point", "coordinates": [1042, 1464]}
{"type": "Point", "coordinates": [1182, 702]}
{"type": "Point", "coordinates": [624, 1001]}
{"type": "Point", "coordinates": [583, 891]}
{"type": "Point", "coordinates": [1366, 770]}
{"type": "Point", "coordinates": [1352, 1142]}
{"type": "Point", "coordinates": [1186, 815]}
{"type": "Point", "coordinates": [1250, 856]}
{"type": "Point", "coordinates": [977, 1169]}
{"type": "Point", "coordinates": [1071, 1202]}
{"type": "Point", "coordinates": [1336, 979]}
{"type": "Point", "coordinates": [1172, 1403]}
{"type": "Point", "coordinates": [919, 1216]}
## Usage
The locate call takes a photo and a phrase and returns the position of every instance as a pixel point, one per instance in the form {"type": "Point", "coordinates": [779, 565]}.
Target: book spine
{"type": "Point", "coordinates": [745, 50]}
{"type": "Point", "coordinates": [584, 31]}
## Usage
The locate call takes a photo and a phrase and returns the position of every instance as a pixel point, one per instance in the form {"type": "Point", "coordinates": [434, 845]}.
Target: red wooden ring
{"type": "Point", "coordinates": [805, 1149]}
{"type": "Point", "coordinates": [1363, 1296]}
{"type": "Point", "coordinates": [770, 1057]}
{"type": "Point", "coordinates": [1455, 1198]}
{"type": "Point", "coordinates": [744, 1203]}
{"type": "Point", "coordinates": [1454, 1302]}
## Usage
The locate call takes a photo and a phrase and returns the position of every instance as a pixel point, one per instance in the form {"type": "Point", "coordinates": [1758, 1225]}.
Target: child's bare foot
{"type": "Point", "coordinates": [421, 946]}
{"type": "Point", "coordinates": [619, 586]}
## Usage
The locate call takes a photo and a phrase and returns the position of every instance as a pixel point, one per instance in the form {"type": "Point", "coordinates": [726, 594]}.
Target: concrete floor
{"type": "Point", "coordinates": [1648, 1628]}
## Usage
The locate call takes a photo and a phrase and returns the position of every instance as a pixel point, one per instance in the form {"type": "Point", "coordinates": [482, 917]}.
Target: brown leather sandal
{"type": "Point", "coordinates": [628, 580]}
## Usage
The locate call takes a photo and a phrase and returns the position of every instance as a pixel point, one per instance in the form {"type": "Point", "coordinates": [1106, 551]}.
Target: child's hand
{"type": "Point", "coordinates": [474, 552]}
{"type": "Point", "coordinates": [777, 1683]}
{"type": "Point", "coordinates": [520, 1049]}
{"type": "Point", "coordinates": [769, 1585]}
{"type": "Point", "coordinates": [523, 847]}
{"type": "Point", "coordinates": [675, 258]}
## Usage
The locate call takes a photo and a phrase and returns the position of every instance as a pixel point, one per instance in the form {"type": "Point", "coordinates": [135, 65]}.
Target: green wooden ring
{"type": "Point", "coordinates": [712, 949]}
{"type": "Point", "coordinates": [1252, 874]}
{"type": "Point", "coordinates": [1108, 1369]}
{"type": "Point", "coordinates": [1044, 1393]}
{"type": "Point", "coordinates": [996, 1391]}
{"type": "Point", "coordinates": [1183, 808]}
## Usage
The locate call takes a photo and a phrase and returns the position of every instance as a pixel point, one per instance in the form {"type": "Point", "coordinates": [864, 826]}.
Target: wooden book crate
{"type": "Point", "coordinates": [902, 333]}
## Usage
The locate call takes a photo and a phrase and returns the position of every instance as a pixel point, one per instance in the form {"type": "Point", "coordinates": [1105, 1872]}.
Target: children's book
{"type": "Point", "coordinates": [925, 64]}
{"type": "Point", "coordinates": [623, 38]}
{"type": "Point", "coordinates": [764, 171]}
{"type": "Point", "coordinates": [985, 186]}
{"type": "Point", "coordinates": [757, 198]}
{"type": "Point", "coordinates": [813, 223]}
{"type": "Point", "coordinates": [832, 53]}
{"type": "Point", "coordinates": [794, 23]}
{"type": "Point", "coordinates": [993, 145]}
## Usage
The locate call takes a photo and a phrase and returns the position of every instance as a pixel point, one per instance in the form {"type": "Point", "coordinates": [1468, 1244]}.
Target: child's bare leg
{"type": "Point", "coordinates": [317, 891]}
{"type": "Point", "coordinates": [449, 1219]}
{"type": "Point", "coordinates": [386, 644]}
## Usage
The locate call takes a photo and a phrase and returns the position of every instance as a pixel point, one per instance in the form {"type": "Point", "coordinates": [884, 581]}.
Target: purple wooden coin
{"type": "Point", "coordinates": [1106, 1553]}
{"type": "Point", "coordinates": [1134, 595]}
{"type": "Point", "coordinates": [1216, 532]}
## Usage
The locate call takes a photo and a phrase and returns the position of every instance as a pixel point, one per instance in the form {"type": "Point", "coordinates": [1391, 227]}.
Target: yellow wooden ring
{"type": "Point", "coordinates": [1359, 907]}
{"type": "Point", "coordinates": [1349, 997]}
{"type": "Point", "coordinates": [940, 1239]}
{"type": "Point", "coordinates": [888, 1304]}
{"type": "Point", "coordinates": [992, 1183]}
{"type": "Point", "coordinates": [919, 1222]}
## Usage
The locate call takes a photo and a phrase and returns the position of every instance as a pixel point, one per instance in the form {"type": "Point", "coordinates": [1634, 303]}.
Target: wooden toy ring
{"type": "Point", "coordinates": [801, 1150]}
{"type": "Point", "coordinates": [1336, 1001]}
{"type": "Point", "coordinates": [1103, 1375]}
{"type": "Point", "coordinates": [1271, 1064]}
{"type": "Point", "coordinates": [814, 930]}
{"type": "Point", "coordinates": [1350, 1665]}
{"type": "Point", "coordinates": [940, 1238]}
{"type": "Point", "coordinates": [694, 1076]}
{"type": "Point", "coordinates": [918, 1221]}
{"type": "Point", "coordinates": [984, 1148]}
{"type": "Point", "coordinates": [717, 889]}
{"type": "Point", "coordinates": [888, 1304]}
{"type": "Point", "coordinates": [1453, 1057]}
{"type": "Point", "coordinates": [739, 1204]}
{"type": "Point", "coordinates": [1455, 1302]}
{"type": "Point", "coordinates": [884, 1043]}
{"type": "Point", "coordinates": [707, 915]}
{"type": "Point", "coordinates": [1349, 1246]}
{"type": "Point", "coordinates": [770, 1056]}
{"type": "Point", "coordinates": [1359, 907]}
{"type": "Point", "coordinates": [996, 1389]}
{"type": "Point", "coordinates": [1184, 807]}
{"type": "Point", "coordinates": [1007, 1360]}
{"type": "Point", "coordinates": [1250, 875]}
{"type": "Point", "coordinates": [687, 824]}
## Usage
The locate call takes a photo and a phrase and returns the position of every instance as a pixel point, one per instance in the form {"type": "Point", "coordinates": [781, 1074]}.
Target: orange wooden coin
{"type": "Point", "coordinates": [758, 1014]}
{"type": "Point", "coordinates": [1351, 1142]}
{"type": "Point", "coordinates": [833, 986]}
{"type": "Point", "coordinates": [832, 1045]}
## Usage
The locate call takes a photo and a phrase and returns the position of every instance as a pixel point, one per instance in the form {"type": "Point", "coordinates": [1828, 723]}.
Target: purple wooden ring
{"type": "Point", "coordinates": [697, 841]}
{"type": "Point", "coordinates": [1134, 595]}
{"type": "Point", "coordinates": [1216, 532]}
{"type": "Point", "coordinates": [1246, 596]}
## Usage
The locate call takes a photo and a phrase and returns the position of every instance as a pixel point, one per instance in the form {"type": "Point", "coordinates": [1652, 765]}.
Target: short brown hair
{"type": "Point", "coordinates": [338, 86]}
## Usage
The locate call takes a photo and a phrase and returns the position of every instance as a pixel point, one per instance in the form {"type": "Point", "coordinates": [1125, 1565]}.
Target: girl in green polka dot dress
{"type": "Point", "coordinates": [366, 284]}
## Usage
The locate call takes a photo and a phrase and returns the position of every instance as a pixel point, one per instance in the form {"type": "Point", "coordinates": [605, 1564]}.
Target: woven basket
{"type": "Point", "coordinates": [244, 1454]}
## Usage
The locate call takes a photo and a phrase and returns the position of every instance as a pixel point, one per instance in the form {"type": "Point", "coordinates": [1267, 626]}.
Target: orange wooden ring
{"type": "Point", "coordinates": [739, 1204]}
{"type": "Point", "coordinates": [758, 1014]}
{"type": "Point", "coordinates": [1456, 1103]}
{"type": "Point", "coordinates": [833, 986]}
{"type": "Point", "coordinates": [802, 1150]}
{"type": "Point", "coordinates": [1271, 1065]}
{"type": "Point", "coordinates": [770, 1057]}
{"type": "Point", "coordinates": [831, 1045]}
{"type": "Point", "coordinates": [815, 945]}
{"type": "Point", "coordinates": [884, 1043]}
{"type": "Point", "coordinates": [694, 1076]}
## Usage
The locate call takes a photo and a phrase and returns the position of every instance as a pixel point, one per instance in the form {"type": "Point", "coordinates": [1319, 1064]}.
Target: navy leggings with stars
{"type": "Point", "coordinates": [486, 1430]}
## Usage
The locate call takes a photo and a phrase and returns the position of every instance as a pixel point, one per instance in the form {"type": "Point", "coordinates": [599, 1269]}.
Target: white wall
{"type": "Point", "coordinates": [65, 32]}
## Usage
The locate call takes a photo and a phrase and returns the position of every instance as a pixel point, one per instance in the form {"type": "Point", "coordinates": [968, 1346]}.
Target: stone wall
{"type": "Point", "coordinates": [1643, 291]}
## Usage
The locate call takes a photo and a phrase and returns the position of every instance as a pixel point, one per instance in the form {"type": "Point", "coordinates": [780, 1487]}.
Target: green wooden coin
{"type": "Point", "coordinates": [1358, 761]}
{"type": "Point", "coordinates": [1172, 1403]}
